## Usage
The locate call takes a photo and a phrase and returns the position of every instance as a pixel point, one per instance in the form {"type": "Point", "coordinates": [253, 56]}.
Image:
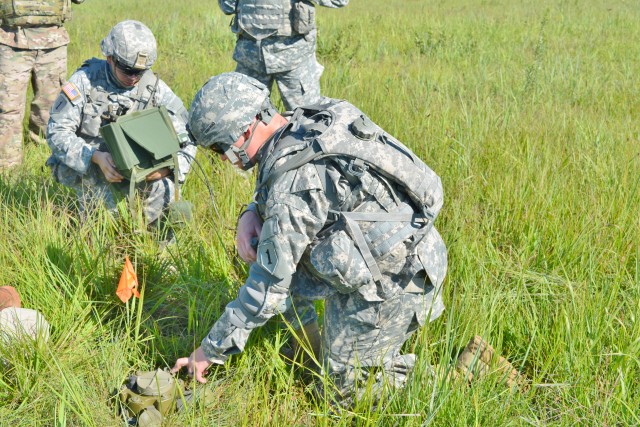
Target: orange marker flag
{"type": "Point", "coordinates": [128, 284]}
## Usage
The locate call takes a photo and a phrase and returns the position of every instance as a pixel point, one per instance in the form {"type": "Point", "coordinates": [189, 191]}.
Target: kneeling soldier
{"type": "Point", "coordinates": [344, 212]}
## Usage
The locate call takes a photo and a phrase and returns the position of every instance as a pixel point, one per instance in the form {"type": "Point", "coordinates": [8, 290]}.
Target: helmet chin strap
{"type": "Point", "coordinates": [235, 154]}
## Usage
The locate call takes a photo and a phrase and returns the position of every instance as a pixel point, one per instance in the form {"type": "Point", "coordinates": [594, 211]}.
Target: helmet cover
{"type": "Point", "coordinates": [131, 43]}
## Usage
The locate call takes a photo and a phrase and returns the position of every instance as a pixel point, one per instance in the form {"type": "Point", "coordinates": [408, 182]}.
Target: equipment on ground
{"type": "Point", "coordinates": [149, 396]}
{"type": "Point", "coordinates": [478, 359]}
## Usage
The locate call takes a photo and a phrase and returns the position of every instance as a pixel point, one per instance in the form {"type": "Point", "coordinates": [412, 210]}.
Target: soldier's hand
{"type": "Point", "coordinates": [159, 174]}
{"type": "Point", "coordinates": [249, 228]}
{"type": "Point", "coordinates": [197, 365]}
{"type": "Point", "coordinates": [107, 166]}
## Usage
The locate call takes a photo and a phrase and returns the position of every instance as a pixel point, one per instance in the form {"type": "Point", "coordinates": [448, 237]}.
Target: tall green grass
{"type": "Point", "coordinates": [527, 110]}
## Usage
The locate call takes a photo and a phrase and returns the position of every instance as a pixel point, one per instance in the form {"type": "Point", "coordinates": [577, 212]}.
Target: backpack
{"type": "Point", "coordinates": [346, 132]}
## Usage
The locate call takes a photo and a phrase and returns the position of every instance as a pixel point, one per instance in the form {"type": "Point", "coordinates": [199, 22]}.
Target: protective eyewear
{"type": "Point", "coordinates": [131, 72]}
{"type": "Point", "coordinates": [216, 149]}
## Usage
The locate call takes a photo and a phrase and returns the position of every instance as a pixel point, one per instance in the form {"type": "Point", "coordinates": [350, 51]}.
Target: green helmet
{"type": "Point", "coordinates": [132, 44]}
{"type": "Point", "coordinates": [223, 109]}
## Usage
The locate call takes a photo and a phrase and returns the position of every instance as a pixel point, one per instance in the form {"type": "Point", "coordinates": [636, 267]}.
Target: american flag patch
{"type": "Point", "coordinates": [71, 91]}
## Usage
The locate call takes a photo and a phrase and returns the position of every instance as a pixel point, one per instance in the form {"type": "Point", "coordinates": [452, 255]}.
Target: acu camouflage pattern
{"type": "Point", "coordinates": [364, 326]}
{"type": "Point", "coordinates": [131, 43]}
{"type": "Point", "coordinates": [271, 50]}
{"type": "Point", "coordinates": [73, 136]}
{"type": "Point", "coordinates": [231, 112]}
{"type": "Point", "coordinates": [36, 54]}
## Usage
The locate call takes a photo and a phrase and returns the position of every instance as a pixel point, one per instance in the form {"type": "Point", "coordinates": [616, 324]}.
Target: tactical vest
{"type": "Point", "coordinates": [31, 13]}
{"type": "Point", "coordinates": [357, 145]}
{"type": "Point", "coordinates": [99, 109]}
{"type": "Point", "coordinates": [263, 18]}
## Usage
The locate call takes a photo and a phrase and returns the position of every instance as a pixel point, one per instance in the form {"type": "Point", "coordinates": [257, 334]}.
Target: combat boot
{"type": "Point", "coordinates": [479, 359]}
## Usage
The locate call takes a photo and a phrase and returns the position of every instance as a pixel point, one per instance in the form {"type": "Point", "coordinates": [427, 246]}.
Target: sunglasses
{"type": "Point", "coordinates": [216, 149]}
{"type": "Point", "coordinates": [131, 72]}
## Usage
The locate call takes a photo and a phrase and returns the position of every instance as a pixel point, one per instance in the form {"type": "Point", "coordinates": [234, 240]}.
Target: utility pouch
{"type": "Point", "coordinates": [30, 13]}
{"type": "Point", "coordinates": [157, 389]}
{"type": "Point", "coordinates": [304, 17]}
{"type": "Point", "coordinates": [141, 143]}
{"type": "Point", "coordinates": [147, 397]}
{"type": "Point", "coordinates": [337, 260]}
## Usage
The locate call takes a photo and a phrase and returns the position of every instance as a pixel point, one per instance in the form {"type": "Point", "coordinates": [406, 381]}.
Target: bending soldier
{"type": "Point", "coordinates": [98, 93]}
{"type": "Point", "coordinates": [277, 41]}
{"type": "Point", "coordinates": [33, 47]}
{"type": "Point", "coordinates": [335, 220]}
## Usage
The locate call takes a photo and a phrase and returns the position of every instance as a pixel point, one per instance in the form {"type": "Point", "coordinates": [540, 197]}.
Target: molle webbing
{"type": "Point", "coordinates": [263, 18]}
{"type": "Point", "coordinates": [30, 13]}
{"type": "Point", "coordinates": [371, 245]}
{"type": "Point", "coordinates": [259, 19]}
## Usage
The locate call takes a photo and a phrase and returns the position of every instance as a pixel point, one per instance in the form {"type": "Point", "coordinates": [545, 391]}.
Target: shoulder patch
{"type": "Point", "coordinates": [268, 257]}
{"type": "Point", "coordinates": [71, 91]}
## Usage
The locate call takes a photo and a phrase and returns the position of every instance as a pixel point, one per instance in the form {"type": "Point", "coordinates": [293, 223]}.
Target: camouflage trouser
{"type": "Point", "coordinates": [362, 339]}
{"type": "Point", "coordinates": [298, 87]}
{"type": "Point", "coordinates": [362, 342]}
{"type": "Point", "coordinates": [46, 69]}
{"type": "Point", "coordinates": [154, 196]}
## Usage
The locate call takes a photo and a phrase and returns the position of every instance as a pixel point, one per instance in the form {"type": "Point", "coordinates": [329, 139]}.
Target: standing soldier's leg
{"type": "Point", "coordinates": [49, 72]}
{"type": "Point", "coordinates": [301, 86]}
{"type": "Point", "coordinates": [262, 77]}
{"type": "Point", "coordinates": [15, 70]}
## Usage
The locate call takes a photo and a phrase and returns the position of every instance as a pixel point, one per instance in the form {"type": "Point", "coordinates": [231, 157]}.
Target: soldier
{"type": "Point", "coordinates": [96, 94]}
{"type": "Point", "coordinates": [33, 47]}
{"type": "Point", "coordinates": [277, 41]}
{"type": "Point", "coordinates": [332, 224]}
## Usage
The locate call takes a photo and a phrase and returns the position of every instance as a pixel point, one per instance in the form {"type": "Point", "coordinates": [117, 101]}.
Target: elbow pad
{"type": "Point", "coordinates": [258, 300]}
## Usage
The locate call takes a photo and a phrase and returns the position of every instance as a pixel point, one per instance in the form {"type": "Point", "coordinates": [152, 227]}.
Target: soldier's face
{"type": "Point", "coordinates": [125, 78]}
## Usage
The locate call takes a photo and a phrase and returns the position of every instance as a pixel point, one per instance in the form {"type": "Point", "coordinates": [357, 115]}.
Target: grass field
{"type": "Point", "coordinates": [529, 113]}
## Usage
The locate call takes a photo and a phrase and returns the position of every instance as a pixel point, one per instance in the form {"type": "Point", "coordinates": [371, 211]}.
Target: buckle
{"type": "Point", "coordinates": [357, 167]}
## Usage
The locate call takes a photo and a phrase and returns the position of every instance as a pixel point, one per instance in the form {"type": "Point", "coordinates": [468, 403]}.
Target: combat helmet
{"type": "Point", "coordinates": [223, 109]}
{"type": "Point", "coordinates": [132, 44]}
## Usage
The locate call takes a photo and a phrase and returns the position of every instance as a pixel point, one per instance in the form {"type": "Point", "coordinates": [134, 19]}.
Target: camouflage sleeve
{"type": "Point", "coordinates": [64, 123]}
{"type": "Point", "coordinates": [296, 210]}
{"type": "Point", "coordinates": [331, 3]}
{"type": "Point", "coordinates": [179, 117]}
{"type": "Point", "coordinates": [228, 6]}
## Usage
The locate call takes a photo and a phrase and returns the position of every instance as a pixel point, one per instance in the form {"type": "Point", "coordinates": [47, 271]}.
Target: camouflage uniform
{"type": "Point", "coordinates": [73, 135]}
{"type": "Point", "coordinates": [285, 51]}
{"type": "Point", "coordinates": [305, 251]}
{"type": "Point", "coordinates": [36, 53]}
